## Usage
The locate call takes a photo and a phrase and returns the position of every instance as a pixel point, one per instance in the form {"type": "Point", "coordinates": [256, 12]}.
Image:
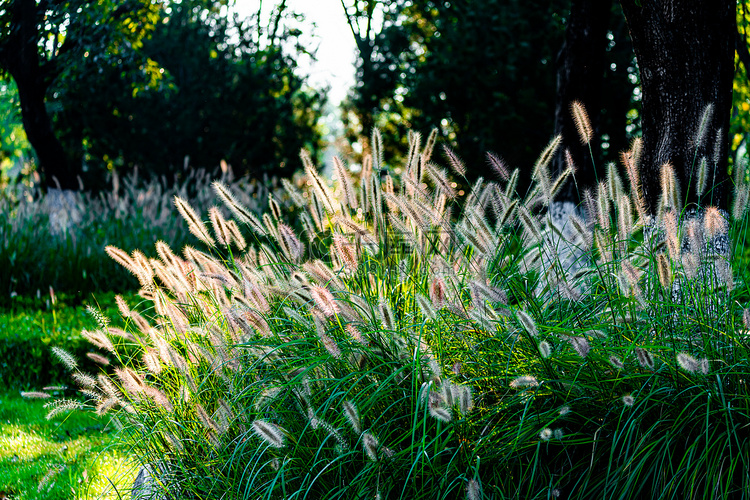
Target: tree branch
{"type": "Point", "coordinates": [349, 22]}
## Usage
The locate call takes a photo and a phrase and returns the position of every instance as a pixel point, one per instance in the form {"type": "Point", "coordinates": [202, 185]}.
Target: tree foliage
{"type": "Point", "coordinates": [233, 95]}
{"type": "Point", "coordinates": [41, 41]}
{"type": "Point", "coordinates": [148, 83]}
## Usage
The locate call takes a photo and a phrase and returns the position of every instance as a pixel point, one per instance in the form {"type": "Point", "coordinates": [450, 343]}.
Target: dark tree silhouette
{"type": "Point", "coordinates": [685, 51]}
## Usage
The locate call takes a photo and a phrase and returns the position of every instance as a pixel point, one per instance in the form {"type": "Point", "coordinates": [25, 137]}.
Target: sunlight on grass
{"type": "Point", "coordinates": [74, 453]}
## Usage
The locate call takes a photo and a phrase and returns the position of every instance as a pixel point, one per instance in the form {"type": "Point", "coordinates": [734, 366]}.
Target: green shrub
{"type": "Point", "coordinates": [394, 350]}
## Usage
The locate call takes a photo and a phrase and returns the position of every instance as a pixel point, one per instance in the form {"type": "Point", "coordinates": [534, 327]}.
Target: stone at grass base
{"type": "Point", "coordinates": [151, 482]}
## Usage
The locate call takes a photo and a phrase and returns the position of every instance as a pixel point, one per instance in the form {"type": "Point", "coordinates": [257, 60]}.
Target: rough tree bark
{"type": "Point", "coordinates": [580, 69]}
{"type": "Point", "coordinates": [685, 53]}
{"type": "Point", "coordinates": [20, 57]}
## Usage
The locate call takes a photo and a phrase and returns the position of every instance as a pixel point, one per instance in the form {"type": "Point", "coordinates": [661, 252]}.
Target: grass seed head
{"type": "Point", "coordinates": [581, 346]}
{"type": "Point", "coordinates": [65, 357]}
{"type": "Point", "coordinates": [664, 270]}
{"type": "Point", "coordinates": [498, 166]}
{"type": "Point", "coordinates": [545, 349]}
{"type": "Point", "coordinates": [527, 322]}
{"type": "Point", "coordinates": [524, 382]}
{"type": "Point", "coordinates": [60, 406]}
{"type": "Point", "coordinates": [583, 124]}
{"type": "Point", "coordinates": [644, 358]}
{"type": "Point", "coordinates": [705, 123]}
{"type": "Point", "coordinates": [370, 444]}
{"type": "Point", "coordinates": [616, 362]}
{"type": "Point", "coordinates": [702, 177]}
{"type": "Point", "coordinates": [687, 362]}
{"type": "Point", "coordinates": [271, 434]}
{"type": "Point", "coordinates": [352, 416]}
{"type": "Point", "coordinates": [454, 161]}
{"type": "Point", "coordinates": [441, 413]}
{"type": "Point", "coordinates": [35, 395]}
{"type": "Point", "coordinates": [324, 300]}
{"type": "Point", "coordinates": [195, 224]}
{"type": "Point", "coordinates": [473, 490]}
{"type": "Point", "coordinates": [714, 223]}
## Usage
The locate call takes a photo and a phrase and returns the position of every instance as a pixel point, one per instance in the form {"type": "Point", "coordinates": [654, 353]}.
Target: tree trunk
{"type": "Point", "coordinates": [685, 53]}
{"type": "Point", "coordinates": [20, 57]}
{"type": "Point", "coordinates": [580, 69]}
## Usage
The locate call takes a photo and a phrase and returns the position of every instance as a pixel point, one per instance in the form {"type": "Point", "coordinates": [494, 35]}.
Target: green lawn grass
{"type": "Point", "coordinates": [76, 450]}
{"type": "Point", "coordinates": [79, 446]}
{"type": "Point", "coordinates": [30, 328]}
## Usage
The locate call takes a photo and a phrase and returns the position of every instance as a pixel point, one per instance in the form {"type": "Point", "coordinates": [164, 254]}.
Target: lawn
{"type": "Point", "coordinates": [70, 456]}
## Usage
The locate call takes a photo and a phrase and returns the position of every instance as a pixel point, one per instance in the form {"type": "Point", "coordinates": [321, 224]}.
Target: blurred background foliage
{"type": "Point", "coordinates": [166, 81]}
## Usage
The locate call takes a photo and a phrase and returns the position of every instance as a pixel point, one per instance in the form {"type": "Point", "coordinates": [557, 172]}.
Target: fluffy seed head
{"type": "Point", "coordinates": [272, 434]}
{"type": "Point", "coordinates": [523, 382]}
{"type": "Point", "coordinates": [673, 238]}
{"type": "Point", "coordinates": [370, 444]}
{"type": "Point", "coordinates": [644, 358]}
{"type": "Point", "coordinates": [324, 300]}
{"type": "Point", "coordinates": [581, 346]}
{"type": "Point", "coordinates": [664, 270]}
{"type": "Point", "coordinates": [290, 244]}
{"type": "Point", "coordinates": [700, 134]}
{"type": "Point", "coordinates": [628, 400]}
{"type": "Point", "coordinates": [330, 344]}
{"type": "Point", "coordinates": [440, 413]}
{"type": "Point", "coordinates": [121, 257]}
{"type": "Point", "coordinates": [386, 315]}
{"type": "Point", "coordinates": [705, 367]}
{"type": "Point", "coordinates": [352, 416]}
{"type": "Point", "coordinates": [437, 292]}
{"type": "Point", "coordinates": [465, 399]}
{"type": "Point", "coordinates": [527, 322]}
{"type": "Point", "coordinates": [498, 166]}
{"type": "Point", "coordinates": [354, 332]}
{"type": "Point", "coordinates": [454, 161]}
{"type": "Point", "coordinates": [35, 395]}
{"type": "Point", "coordinates": [670, 188]}
{"type": "Point", "coordinates": [346, 183]}
{"type": "Point", "coordinates": [219, 224]}
{"type": "Point", "coordinates": [65, 357]}
{"type": "Point", "coordinates": [473, 490]}
{"type": "Point", "coordinates": [616, 362]}
{"type": "Point", "coordinates": [425, 306]}
{"type": "Point", "coordinates": [546, 434]}
{"type": "Point", "coordinates": [583, 124]}
{"type": "Point", "coordinates": [195, 224]}
{"type": "Point", "coordinates": [702, 177]}
{"type": "Point", "coordinates": [60, 406]}
{"type": "Point", "coordinates": [345, 251]}
{"type": "Point", "coordinates": [714, 222]}
{"type": "Point", "coordinates": [544, 349]}
{"type": "Point", "coordinates": [687, 362]}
